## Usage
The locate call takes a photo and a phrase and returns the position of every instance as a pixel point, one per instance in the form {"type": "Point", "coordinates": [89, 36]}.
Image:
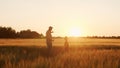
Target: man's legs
{"type": "Point", "coordinates": [49, 47]}
{"type": "Point", "coordinates": [49, 44]}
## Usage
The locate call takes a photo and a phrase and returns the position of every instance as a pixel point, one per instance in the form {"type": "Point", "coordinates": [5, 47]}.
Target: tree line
{"type": "Point", "coordinates": [8, 32]}
{"type": "Point", "coordinates": [104, 37]}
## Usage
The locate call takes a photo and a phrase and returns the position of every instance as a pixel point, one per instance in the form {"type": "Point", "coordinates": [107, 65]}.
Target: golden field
{"type": "Point", "coordinates": [83, 53]}
{"type": "Point", "coordinates": [59, 42]}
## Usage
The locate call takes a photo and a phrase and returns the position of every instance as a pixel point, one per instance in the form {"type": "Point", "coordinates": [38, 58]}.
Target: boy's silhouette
{"type": "Point", "coordinates": [66, 44]}
{"type": "Point", "coordinates": [49, 37]}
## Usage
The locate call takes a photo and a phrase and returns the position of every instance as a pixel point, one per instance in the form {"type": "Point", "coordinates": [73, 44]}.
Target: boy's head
{"type": "Point", "coordinates": [65, 38]}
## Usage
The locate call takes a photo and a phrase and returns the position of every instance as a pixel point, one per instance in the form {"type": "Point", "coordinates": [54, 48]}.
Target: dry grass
{"type": "Point", "coordinates": [59, 42]}
{"type": "Point", "coordinates": [87, 55]}
{"type": "Point", "coordinates": [76, 57]}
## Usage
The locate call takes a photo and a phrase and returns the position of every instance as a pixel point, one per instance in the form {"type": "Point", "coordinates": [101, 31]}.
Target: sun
{"type": "Point", "coordinates": [75, 32]}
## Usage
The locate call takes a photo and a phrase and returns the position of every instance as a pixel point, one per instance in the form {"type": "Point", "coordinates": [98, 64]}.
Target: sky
{"type": "Point", "coordinates": [89, 17]}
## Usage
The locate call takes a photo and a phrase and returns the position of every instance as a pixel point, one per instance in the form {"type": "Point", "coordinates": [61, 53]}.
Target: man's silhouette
{"type": "Point", "coordinates": [49, 37]}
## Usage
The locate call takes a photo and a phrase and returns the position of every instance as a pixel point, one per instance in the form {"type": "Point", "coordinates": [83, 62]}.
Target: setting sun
{"type": "Point", "coordinates": [75, 32]}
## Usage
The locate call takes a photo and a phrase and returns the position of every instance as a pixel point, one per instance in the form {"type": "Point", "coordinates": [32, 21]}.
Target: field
{"type": "Point", "coordinates": [83, 53]}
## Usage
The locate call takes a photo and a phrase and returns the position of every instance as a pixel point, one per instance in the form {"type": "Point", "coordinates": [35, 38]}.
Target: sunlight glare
{"type": "Point", "coordinates": [75, 32]}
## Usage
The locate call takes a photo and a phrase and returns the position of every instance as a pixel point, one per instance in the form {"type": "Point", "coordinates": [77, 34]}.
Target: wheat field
{"type": "Point", "coordinates": [83, 53]}
{"type": "Point", "coordinates": [59, 42]}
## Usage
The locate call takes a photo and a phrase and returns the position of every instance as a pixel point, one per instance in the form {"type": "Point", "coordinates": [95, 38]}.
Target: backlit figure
{"type": "Point", "coordinates": [49, 37]}
{"type": "Point", "coordinates": [66, 44]}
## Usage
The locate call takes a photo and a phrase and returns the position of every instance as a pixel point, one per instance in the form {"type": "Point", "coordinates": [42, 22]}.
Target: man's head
{"type": "Point", "coordinates": [50, 27]}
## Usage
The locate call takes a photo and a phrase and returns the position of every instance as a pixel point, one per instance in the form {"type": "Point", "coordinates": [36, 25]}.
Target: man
{"type": "Point", "coordinates": [49, 37]}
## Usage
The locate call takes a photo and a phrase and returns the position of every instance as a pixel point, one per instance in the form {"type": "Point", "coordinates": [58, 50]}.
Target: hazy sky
{"type": "Point", "coordinates": [91, 17]}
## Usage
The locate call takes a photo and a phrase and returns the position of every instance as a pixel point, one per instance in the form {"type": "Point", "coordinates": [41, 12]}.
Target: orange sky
{"type": "Point", "coordinates": [90, 17]}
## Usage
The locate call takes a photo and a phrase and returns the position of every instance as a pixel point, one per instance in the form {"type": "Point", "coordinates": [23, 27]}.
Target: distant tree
{"type": "Point", "coordinates": [28, 34]}
{"type": "Point", "coordinates": [42, 36]}
{"type": "Point", "coordinates": [7, 32]}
